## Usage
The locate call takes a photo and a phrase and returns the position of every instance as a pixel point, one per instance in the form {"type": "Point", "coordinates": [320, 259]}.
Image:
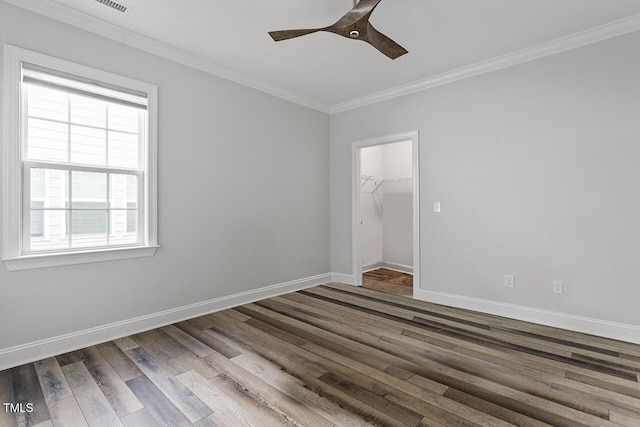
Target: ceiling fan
{"type": "Point", "coordinates": [354, 25]}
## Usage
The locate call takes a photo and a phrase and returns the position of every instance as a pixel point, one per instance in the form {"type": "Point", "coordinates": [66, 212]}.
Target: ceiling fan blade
{"type": "Point", "coordinates": [361, 10]}
{"type": "Point", "coordinates": [354, 25]}
{"type": "Point", "coordinates": [290, 34]}
{"type": "Point", "coordinates": [383, 43]}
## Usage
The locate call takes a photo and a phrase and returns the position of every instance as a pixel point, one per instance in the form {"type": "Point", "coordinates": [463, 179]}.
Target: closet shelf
{"type": "Point", "coordinates": [379, 180]}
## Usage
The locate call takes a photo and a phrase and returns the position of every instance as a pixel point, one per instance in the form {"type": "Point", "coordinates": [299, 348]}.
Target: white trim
{"type": "Point", "coordinates": [346, 279]}
{"type": "Point", "coordinates": [28, 262]}
{"type": "Point", "coordinates": [398, 267]}
{"type": "Point", "coordinates": [587, 325]}
{"type": "Point", "coordinates": [11, 188]}
{"type": "Point", "coordinates": [80, 168]}
{"type": "Point", "coordinates": [26, 353]}
{"type": "Point", "coordinates": [122, 35]}
{"type": "Point", "coordinates": [150, 209]}
{"type": "Point", "coordinates": [572, 41]}
{"type": "Point", "coordinates": [372, 266]}
{"type": "Point", "coordinates": [73, 68]}
{"type": "Point", "coordinates": [414, 137]}
{"type": "Point", "coordinates": [15, 256]}
{"type": "Point", "coordinates": [389, 266]}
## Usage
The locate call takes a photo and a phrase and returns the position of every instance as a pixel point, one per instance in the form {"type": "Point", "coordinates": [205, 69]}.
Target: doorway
{"type": "Point", "coordinates": [386, 246]}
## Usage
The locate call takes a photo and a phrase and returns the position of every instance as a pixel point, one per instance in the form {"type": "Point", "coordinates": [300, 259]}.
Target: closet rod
{"type": "Point", "coordinates": [384, 178]}
{"type": "Point", "coordinates": [379, 180]}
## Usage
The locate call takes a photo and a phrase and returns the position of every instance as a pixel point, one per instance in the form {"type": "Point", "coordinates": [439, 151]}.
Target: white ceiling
{"type": "Point", "coordinates": [441, 35]}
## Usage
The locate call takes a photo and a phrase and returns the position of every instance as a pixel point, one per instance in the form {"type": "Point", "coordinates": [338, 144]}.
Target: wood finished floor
{"type": "Point", "coordinates": [383, 279]}
{"type": "Point", "coordinates": [335, 355]}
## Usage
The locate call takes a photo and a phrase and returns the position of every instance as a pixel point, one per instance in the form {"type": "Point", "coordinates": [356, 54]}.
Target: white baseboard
{"type": "Point", "coordinates": [397, 267]}
{"type": "Point", "coordinates": [347, 279]}
{"type": "Point", "coordinates": [30, 352]}
{"type": "Point", "coordinates": [389, 266]}
{"type": "Point", "coordinates": [372, 266]}
{"type": "Point", "coordinates": [603, 328]}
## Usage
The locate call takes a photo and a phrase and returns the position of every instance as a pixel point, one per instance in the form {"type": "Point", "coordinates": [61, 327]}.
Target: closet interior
{"type": "Point", "coordinates": [386, 217]}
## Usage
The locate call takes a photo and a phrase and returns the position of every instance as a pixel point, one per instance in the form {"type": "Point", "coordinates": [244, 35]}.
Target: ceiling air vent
{"type": "Point", "coordinates": [114, 5]}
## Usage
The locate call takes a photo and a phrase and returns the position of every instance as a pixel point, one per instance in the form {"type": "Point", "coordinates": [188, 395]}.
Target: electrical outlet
{"type": "Point", "coordinates": [509, 281]}
{"type": "Point", "coordinates": [557, 287]}
{"type": "Point", "coordinates": [437, 207]}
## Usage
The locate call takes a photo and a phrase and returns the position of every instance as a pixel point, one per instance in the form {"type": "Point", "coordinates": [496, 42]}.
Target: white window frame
{"type": "Point", "coordinates": [13, 180]}
{"type": "Point", "coordinates": [45, 231]}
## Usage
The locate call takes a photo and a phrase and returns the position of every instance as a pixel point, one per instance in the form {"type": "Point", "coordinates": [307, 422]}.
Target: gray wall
{"type": "Point", "coordinates": [371, 228]}
{"type": "Point", "coordinates": [398, 204]}
{"type": "Point", "coordinates": [243, 196]}
{"type": "Point", "coordinates": [536, 167]}
{"type": "Point", "coordinates": [397, 229]}
{"type": "Point", "coordinates": [371, 207]}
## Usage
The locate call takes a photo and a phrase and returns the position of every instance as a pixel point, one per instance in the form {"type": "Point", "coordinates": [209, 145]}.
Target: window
{"type": "Point", "coordinates": [79, 158]}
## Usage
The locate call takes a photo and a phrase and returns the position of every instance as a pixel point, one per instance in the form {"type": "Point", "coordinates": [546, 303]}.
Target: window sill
{"type": "Point", "coordinates": [29, 262]}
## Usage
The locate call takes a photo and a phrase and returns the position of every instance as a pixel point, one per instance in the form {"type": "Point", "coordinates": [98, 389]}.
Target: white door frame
{"type": "Point", "coordinates": [356, 146]}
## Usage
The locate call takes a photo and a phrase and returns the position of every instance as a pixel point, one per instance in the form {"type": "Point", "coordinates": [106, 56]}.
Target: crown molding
{"type": "Point", "coordinates": [94, 25]}
{"type": "Point", "coordinates": [130, 38]}
{"type": "Point", "coordinates": [572, 41]}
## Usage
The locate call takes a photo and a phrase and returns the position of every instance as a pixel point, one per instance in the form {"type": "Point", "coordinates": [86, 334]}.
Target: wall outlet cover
{"type": "Point", "coordinates": [509, 281]}
{"type": "Point", "coordinates": [557, 287]}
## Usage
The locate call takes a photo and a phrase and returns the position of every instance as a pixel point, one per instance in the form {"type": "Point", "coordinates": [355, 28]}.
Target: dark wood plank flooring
{"type": "Point", "coordinates": [335, 355]}
{"type": "Point", "coordinates": [383, 279]}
